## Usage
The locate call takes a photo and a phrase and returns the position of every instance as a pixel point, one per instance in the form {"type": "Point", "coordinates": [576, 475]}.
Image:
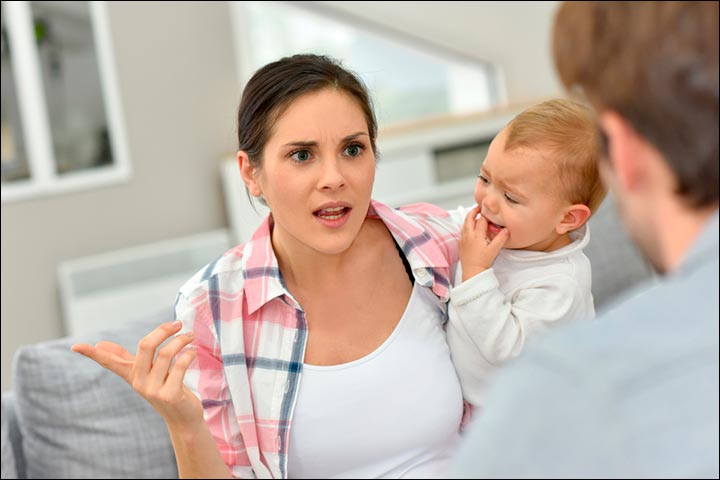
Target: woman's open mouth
{"type": "Point", "coordinates": [333, 216]}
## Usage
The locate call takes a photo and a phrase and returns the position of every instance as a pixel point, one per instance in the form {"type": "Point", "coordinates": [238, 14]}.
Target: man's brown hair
{"type": "Point", "coordinates": [656, 65]}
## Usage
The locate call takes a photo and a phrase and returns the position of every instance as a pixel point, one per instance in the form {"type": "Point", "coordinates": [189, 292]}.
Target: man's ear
{"type": "Point", "coordinates": [247, 172]}
{"type": "Point", "coordinates": [573, 218]}
{"type": "Point", "coordinates": [627, 150]}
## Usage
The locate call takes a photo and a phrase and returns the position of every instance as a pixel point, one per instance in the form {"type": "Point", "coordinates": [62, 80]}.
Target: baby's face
{"type": "Point", "coordinates": [518, 190]}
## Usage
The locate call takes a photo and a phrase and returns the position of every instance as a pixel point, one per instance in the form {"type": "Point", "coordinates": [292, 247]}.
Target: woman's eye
{"type": "Point", "coordinates": [353, 150]}
{"type": "Point", "coordinates": [300, 156]}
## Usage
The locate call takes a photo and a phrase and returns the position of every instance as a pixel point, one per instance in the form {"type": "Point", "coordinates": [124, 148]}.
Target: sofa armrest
{"type": "Point", "coordinates": [79, 420]}
{"type": "Point", "coordinates": [13, 460]}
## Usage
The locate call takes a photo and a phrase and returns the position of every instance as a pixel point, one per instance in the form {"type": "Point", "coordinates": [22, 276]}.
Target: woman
{"type": "Point", "coordinates": [317, 348]}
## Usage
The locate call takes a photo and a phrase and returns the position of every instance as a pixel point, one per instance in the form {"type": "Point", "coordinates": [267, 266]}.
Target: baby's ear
{"type": "Point", "coordinates": [574, 217]}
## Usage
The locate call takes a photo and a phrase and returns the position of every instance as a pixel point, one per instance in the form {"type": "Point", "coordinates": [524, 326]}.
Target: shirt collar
{"type": "Point", "coordinates": [263, 282]}
{"type": "Point", "coordinates": [260, 269]}
{"type": "Point", "coordinates": [428, 262]}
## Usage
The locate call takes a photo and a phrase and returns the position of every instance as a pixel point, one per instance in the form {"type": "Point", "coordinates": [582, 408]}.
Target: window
{"type": "Point", "coordinates": [61, 121]}
{"type": "Point", "coordinates": [408, 79]}
{"type": "Point", "coordinates": [460, 161]}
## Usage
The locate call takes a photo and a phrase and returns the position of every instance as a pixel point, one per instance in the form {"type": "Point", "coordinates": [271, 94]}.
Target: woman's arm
{"type": "Point", "coordinates": [197, 453]}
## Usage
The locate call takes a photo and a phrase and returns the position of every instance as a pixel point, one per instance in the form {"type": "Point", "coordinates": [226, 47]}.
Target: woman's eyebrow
{"type": "Point", "coordinates": [354, 135]}
{"type": "Point", "coordinates": [300, 143]}
{"type": "Point", "coordinates": [312, 143]}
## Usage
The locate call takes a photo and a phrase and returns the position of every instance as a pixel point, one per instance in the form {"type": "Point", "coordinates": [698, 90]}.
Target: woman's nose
{"type": "Point", "coordinates": [331, 176]}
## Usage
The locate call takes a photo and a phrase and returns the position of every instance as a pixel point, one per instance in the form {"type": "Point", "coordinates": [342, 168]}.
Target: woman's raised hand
{"type": "Point", "coordinates": [158, 379]}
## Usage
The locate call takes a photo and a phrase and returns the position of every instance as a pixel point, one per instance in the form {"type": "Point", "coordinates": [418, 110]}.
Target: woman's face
{"type": "Point", "coordinates": [317, 173]}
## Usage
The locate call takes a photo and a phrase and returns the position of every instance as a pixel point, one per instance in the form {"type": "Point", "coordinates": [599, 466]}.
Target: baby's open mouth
{"type": "Point", "coordinates": [495, 225]}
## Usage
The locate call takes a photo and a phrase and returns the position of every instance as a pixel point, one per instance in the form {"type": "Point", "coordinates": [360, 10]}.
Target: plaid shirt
{"type": "Point", "coordinates": [250, 334]}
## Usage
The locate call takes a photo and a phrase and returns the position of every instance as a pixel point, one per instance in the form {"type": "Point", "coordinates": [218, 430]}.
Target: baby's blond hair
{"type": "Point", "coordinates": [567, 131]}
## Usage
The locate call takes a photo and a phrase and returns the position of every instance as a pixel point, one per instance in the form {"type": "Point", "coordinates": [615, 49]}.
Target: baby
{"type": "Point", "coordinates": [522, 267]}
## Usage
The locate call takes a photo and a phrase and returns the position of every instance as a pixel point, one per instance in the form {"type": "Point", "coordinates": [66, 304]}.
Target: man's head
{"type": "Point", "coordinates": [650, 70]}
{"type": "Point", "coordinates": [540, 178]}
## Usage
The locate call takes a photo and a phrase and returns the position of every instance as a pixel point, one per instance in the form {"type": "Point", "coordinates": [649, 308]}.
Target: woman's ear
{"type": "Point", "coordinates": [247, 172]}
{"type": "Point", "coordinates": [573, 218]}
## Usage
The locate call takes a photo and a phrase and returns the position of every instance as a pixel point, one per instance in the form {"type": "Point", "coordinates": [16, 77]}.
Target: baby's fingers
{"type": "Point", "coordinates": [469, 224]}
{"type": "Point", "coordinates": [481, 227]}
{"type": "Point", "coordinates": [499, 241]}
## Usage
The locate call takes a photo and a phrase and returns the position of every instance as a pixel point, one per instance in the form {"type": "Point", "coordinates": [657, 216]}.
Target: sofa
{"type": "Point", "coordinates": [67, 417]}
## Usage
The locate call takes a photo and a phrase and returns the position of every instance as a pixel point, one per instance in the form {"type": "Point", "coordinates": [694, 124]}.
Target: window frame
{"type": "Point", "coordinates": [44, 178]}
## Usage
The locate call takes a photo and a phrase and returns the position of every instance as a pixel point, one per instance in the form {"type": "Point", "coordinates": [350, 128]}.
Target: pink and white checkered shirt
{"type": "Point", "coordinates": [250, 334]}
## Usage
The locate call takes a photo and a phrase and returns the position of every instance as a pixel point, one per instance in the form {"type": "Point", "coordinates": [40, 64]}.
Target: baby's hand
{"type": "Point", "coordinates": [477, 254]}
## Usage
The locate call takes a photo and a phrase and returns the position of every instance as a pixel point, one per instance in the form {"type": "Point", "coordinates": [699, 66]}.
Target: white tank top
{"type": "Point", "coordinates": [394, 413]}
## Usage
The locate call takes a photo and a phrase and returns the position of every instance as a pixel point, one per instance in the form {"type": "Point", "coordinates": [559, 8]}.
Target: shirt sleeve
{"type": "Point", "coordinates": [442, 225]}
{"type": "Point", "coordinates": [205, 377]}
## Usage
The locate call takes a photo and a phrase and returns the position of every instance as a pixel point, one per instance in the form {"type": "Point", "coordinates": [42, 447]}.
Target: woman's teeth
{"type": "Point", "coordinates": [331, 213]}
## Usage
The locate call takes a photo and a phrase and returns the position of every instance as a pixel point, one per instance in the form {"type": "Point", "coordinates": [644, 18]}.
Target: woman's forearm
{"type": "Point", "coordinates": [197, 454]}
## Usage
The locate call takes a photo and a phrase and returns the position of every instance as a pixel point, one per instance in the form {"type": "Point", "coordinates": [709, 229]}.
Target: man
{"type": "Point", "coordinates": [633, 393]}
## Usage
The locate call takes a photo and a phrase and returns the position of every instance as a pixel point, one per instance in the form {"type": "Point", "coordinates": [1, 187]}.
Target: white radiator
{"type": "Point", "coordinates": [110, 289]}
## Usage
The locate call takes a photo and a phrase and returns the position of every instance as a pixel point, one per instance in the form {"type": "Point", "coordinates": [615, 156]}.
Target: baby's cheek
{"type": "Point", "coordinates": [479, 194]}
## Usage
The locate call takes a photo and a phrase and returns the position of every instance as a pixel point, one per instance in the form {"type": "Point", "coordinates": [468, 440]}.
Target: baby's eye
{"type": "Point", "coordinates": [483, 178]}
{"type": "Point", "coordinates": [510, 199]}
{"type": "Point", "coordinates": [300, 156]}
{"type": "Point", "coordinates": [353, 150]}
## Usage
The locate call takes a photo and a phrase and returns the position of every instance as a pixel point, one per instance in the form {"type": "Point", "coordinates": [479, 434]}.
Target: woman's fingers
{"type": "Point", "coordinates": [106, 358]}
{"type": "Point", "coordinates": [146, 372]}
{"type": "Point", "coordinates": [179, 368]}
{"type": "Point", "coordinates": [165, 357]}
{"type": "Point", "coordinates": [115, 349]}
{"type": "Point", "coordinates": [149, 343]}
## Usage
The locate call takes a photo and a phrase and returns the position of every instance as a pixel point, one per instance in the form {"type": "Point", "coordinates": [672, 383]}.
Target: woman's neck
{"type": "Point", "coordinates": [303, 265]}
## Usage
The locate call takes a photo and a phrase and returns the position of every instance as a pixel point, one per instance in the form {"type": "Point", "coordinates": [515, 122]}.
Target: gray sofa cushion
{"type": "Point", "coordinates": [617, 265]}
{"type": "Point", "coordinates": [79, 420]}
{"type": "Point", "coordinates": [8, 457]}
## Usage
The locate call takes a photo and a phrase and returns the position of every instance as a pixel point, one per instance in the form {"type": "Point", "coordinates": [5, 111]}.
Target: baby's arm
{"type": "Point", "coordinates": [499, 327]}
{"type": "Point", "coordinates": [486, 329]}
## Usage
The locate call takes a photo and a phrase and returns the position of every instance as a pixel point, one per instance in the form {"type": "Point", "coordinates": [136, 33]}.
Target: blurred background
{"type": "Point", "coordinates": [118, 132]}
